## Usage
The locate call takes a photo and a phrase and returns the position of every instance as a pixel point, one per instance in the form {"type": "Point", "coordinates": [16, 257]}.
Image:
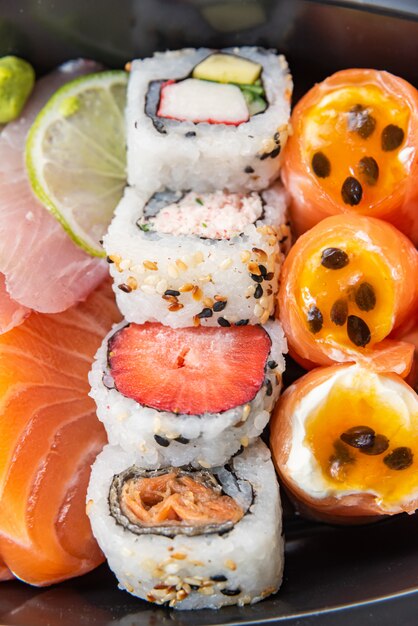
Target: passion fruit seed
{"type": "Point", "coordinates": [399, 458]}
{"type": "Point", "coordinates": [369, 170]}
{"type": "Point", "coordinates": [360, 121]}
{"type": "Point", "coordinates": [351, 191]}
{"type": "Point", "coordinates": [339, 312]}
{"type": "Point", "coordinates": [358, 332]}
{"type": "Point", "coordinates": [315, 320]}
{"type": "Point", "coordinates": [358, 437]}
{"type": "Point", "coordinates": [392, 137]}
{"type": "Point", "coordinates": [365, 297]}
{"type": "Point", "coordinates": [334, 258]}
{"type": "Point", "coordinates": [339, 460]}
{"type": "Point", "coordinates": [380, 445]}
{"type": "Point", "coordinates": [321, 165]}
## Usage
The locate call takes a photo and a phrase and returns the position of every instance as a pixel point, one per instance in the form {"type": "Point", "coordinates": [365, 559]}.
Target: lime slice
{"type": "Point", "coordinates": [76, 155]}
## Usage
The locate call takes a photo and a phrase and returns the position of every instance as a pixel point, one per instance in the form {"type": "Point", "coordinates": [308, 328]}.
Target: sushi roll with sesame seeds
{"type": "Point", "coordinates": [189, 395]}
{"type": "Point", "coordinates": [189, 259]}
{"type": "Point", "coordinates": [188, 538]}
{"type": "Point", "coordinates": [223, 114]}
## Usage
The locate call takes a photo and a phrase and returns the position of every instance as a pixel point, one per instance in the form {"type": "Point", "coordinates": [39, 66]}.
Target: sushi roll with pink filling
{"type": "Point", "coordinates": [206, 119]}
{"type": "Point", "coordinates": [190, 259]}
{"type": "Point", "coordinates": [189, 395]}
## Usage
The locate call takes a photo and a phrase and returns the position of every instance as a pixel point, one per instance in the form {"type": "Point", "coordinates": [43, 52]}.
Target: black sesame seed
{"type": "Point", "coordinates": [358, 437]}
{"type": "Point", "coordinates": [399, 458]}
{"type": "Point", "coordinates": [380, 445]}
{"type": "Point", "coordinates": [276, 137]}
{"type": "Point", "coordinates": [358, 332]}
{"type": "Point", "coordinates": [190, 133]}
{"type": "Point", "coordinates": [162, 441]}
{"type": "Point", "coordinates": [392, 137]}
{"type": "Point", "coordinates": [269, 275]}
{"type": "Point", "coordinates": [182, 439]}
{"type": "Point", "coordinates": [315, 319]}
{"type": "Point", "coordinates": [369, 170]}
{"type": "Point", "coordinates": [264, 156]}
{"type": "Point", "coordinates": [263, 270]}
{"type": "Point", "coordinates": [207, 312]}
{"type": "Point", "coordinates": [171, 292]}
{"type": "Point", "coordinates": [109, 260]}
{"type": "Point", "coordinates": [334, 258]}
{"type": "Point", "coordinates": [248, 169]}
{"type": "Point", "coordinates": [360, 121]}
{"type": "Point", "coordinates": [242, 323]}
{"type": "Point", "coordinates": [272, 364]}
{"type": "Point", "coordinates": [223, 322]}
{"type": "Point", "coordinates": [275, 152]}
{"type": "Point", "coordinates": [321, 165]}
{"type": "Point", "coordinates": [365, 297]}
{"type": "Point", "coordinates": [125, 288]}
{"type": "Point", "coordinates": [257, 278]}
{"type": "Point", "coordinates": [219, 578]}
{"type": "Point", "coordinates": [269, 388]}
{"type": "Point", "coordinates": [231, 592]}
{"type": "Point", "coordinates": [351, 191]}
{"type": "Point", "coordinates": [258, 292]}
{"type": "Point", "coordinates": [194, 587]}
{"type": "Point", "coordinates": [219, 306]}
{"type": "Point", "coordinates": [339, 312]}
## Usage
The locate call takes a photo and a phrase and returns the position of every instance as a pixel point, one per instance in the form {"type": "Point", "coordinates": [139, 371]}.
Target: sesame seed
{"type": "Point", "coordinates": [265, 302]}
{"type": "Point", "coordinates": [260, 253]}
{"type": "Point", "coordinates": [132, 282]}
{"type": "Point", "coordinates": [196, 321]}
{"type": "Point", "coordinates": [198, 257]}
{"type": "Point", "coordinates": [258, 292]}
{"type": "Point", "coordinates": [161, 286]}
{"type": "Point", "coordinates": [175, 307]}
{"type": "Point", "coordinates": [152, 279]}
{"type": "Point", "coordinates": [244, 442]}
{"type": "Point", "coordinates": [223, 322]}
{"type": "Point", "coordinates": [231, 565]}
{"type": "Point", "coordinates": [242, 323]}
{"type": "Point", "coordinates": [149, 289]}
{"type": "Point", "coordinates": [124, 288]}
{"type": "Point", "coordinates": [254, 269]}
{"type": "Point", "coordinates": [219, 306]}
{"type": "Point", "coordinates": [258, 310]}
{"type": "Point", "coordinates": [250, 291]}
{"type": "Point", "coordinates": [246, 411]}
{"type": "Point", "coordinates": [181, 265]}
{"type": "Point", "coordinates": [207, 312]}
{"type": "Point", "coordinates": [150, 265]}
{"type": "Point", "coordinates": [265, 316]}
{"type": "Point", "coordinates": [186, 287]}
{"type": "Point", "coordinates": [197, 293]}
{"type": "Point", "coordinates": [203, 463]}
{"type": "Point", "coordinates": [171, 292]}
{"type": "Point", "coordinates": [208, 302]}
{"type": "Point", "coordinates": [226, 263]}
{"type": "Point", "coordinates": [245, 256]}
{"type": "Point", "coordinates": [205, 279]}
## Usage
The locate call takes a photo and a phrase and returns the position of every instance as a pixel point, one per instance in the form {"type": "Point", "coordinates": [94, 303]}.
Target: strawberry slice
{"type": "Point", "coordinates": [189, 370]}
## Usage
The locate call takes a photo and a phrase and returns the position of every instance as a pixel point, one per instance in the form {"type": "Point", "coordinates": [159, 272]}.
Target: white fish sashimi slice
{"type": "Point", "coordinates": [11, 313]}
{"type": "Point", "coordinates": [44, 270]}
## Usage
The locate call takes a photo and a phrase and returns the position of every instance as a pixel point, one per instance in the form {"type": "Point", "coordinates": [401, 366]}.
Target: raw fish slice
{"type": "Point", "coordinates": [5, 573]}
{"type": "Point", "coordinates": [44, 270]}
{"type": "Point", "coordinates": [49, 437]}
{"type": "Point", "coordinates": [11, 313]}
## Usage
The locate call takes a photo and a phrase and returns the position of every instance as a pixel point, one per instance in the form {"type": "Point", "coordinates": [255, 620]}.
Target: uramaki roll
{"type": "Point", "coordinates": [354, 150]}
{"type": "Point", "coordinates": [345, 443]}
{"type": "Point", "coordinates": [346, 285]}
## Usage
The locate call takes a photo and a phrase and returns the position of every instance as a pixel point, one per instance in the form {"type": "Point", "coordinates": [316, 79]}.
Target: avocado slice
{"type": "Point", "coordinates": [227, 68]}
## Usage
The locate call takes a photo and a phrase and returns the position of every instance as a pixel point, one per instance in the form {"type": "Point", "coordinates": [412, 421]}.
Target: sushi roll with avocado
{"type": "Point", "coordinates": [205, 119]}
{"type": "Point", "coordinates": [188, 259]}
{"type": "Point", "coordinates": [189, 538]}
{"type": "Point", "coordinates": [187, 395]}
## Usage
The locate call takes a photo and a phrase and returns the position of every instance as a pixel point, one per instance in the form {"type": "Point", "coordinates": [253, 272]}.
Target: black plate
{"type": "Point", "coordinates": [333, 575]}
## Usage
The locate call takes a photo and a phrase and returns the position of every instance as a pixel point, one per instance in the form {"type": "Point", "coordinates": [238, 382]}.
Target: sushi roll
{"type": "Point", "coordinates": [223, 114]}
{"type": "Point", "coordinates": [345, 442]}
{"type": "Point", "coordinates": [189, 259]}
{"type": "Point", "coordinates": [189, 395]}
{"type": "Point", "coordinates": [346, 286]}
{"type": "Point", "coordinates": [188, 538]}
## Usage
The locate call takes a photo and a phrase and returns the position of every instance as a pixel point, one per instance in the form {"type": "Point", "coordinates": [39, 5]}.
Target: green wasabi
{"type": "Point", "coordinates": [17, 78]}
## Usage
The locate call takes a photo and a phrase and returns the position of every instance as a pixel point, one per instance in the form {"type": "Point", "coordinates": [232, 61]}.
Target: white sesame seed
{"type": "Point", "coordinates": [203, 463]}
{"type": "Point", "coordinates": [264, 302]}
{"type": "Point", "coordinates": [198, 257]}
{"type": "Point", "coordinates": [161, 286]}
{"type": "Point", "coordinates": [245, 256]}
{"type": "Point", "coordinates": [258, 310]}
{"type": "Point", "coordinates": [149, 289]}
{"type": "Point", "coordinates": [152, 279]}
{"type": "Point", "coordinates": [172, 568]}
{"type": "Point", "coordinates": [226, 263]}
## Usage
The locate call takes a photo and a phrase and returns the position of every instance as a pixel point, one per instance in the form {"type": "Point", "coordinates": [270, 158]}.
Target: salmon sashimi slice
{"type": "Point", "coordinates": [357, 432]}
{"type": "Point", "coordinates": [44, 270]}
{"type": "Point", "coordinates": [189, 370]}
{"type": "Point", "coordinates": [5, 573]}
{"type": "Point", "coordinates": [11, 313]}
{"type": "Point", "coordinates": [346, 285]}
{"type": "Point", "coordinates": [176, 499]}
{"type": "Point", "coordinates": [354, 150]}
{"type": "Point", "coordinates": [49, 437]}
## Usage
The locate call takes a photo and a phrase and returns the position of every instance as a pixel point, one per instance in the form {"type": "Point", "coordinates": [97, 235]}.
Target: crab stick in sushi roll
{"type": "Point", "coordinates": [190, 538]}
{"type": "Point", "coordinates": [344, 440]}
{"type": "Point", "coordinates": [354, 150]}
{"type": "Point", "coordinates": [187, 395]}
{"type": "Point", "coordinates": [346, 285]}
{"type": "Point", "coordinates": [198, 259]}
{"type": "Point", "coordinates": [207, 119]}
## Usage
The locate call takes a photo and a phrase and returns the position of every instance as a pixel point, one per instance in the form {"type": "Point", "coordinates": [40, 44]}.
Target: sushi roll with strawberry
{"type": "Point", "coordinates": [184, 258]}
{"type": "Point", "coordinates": [189, 538]}
{"type": "Point", "coordinates": [223, 114]}
{"type": "Point", "coordinates": [189, 395]}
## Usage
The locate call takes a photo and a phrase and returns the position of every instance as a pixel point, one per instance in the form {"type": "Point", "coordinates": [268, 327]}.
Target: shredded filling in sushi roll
{"type": "Point", "coordinates": [345, 442]}
{"type": "Point", "coordinates": [175, 501]}
{"type": "Point", "coordinates": [187, 395]}
{"type": "Point", "coordinates": [184, 258]}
